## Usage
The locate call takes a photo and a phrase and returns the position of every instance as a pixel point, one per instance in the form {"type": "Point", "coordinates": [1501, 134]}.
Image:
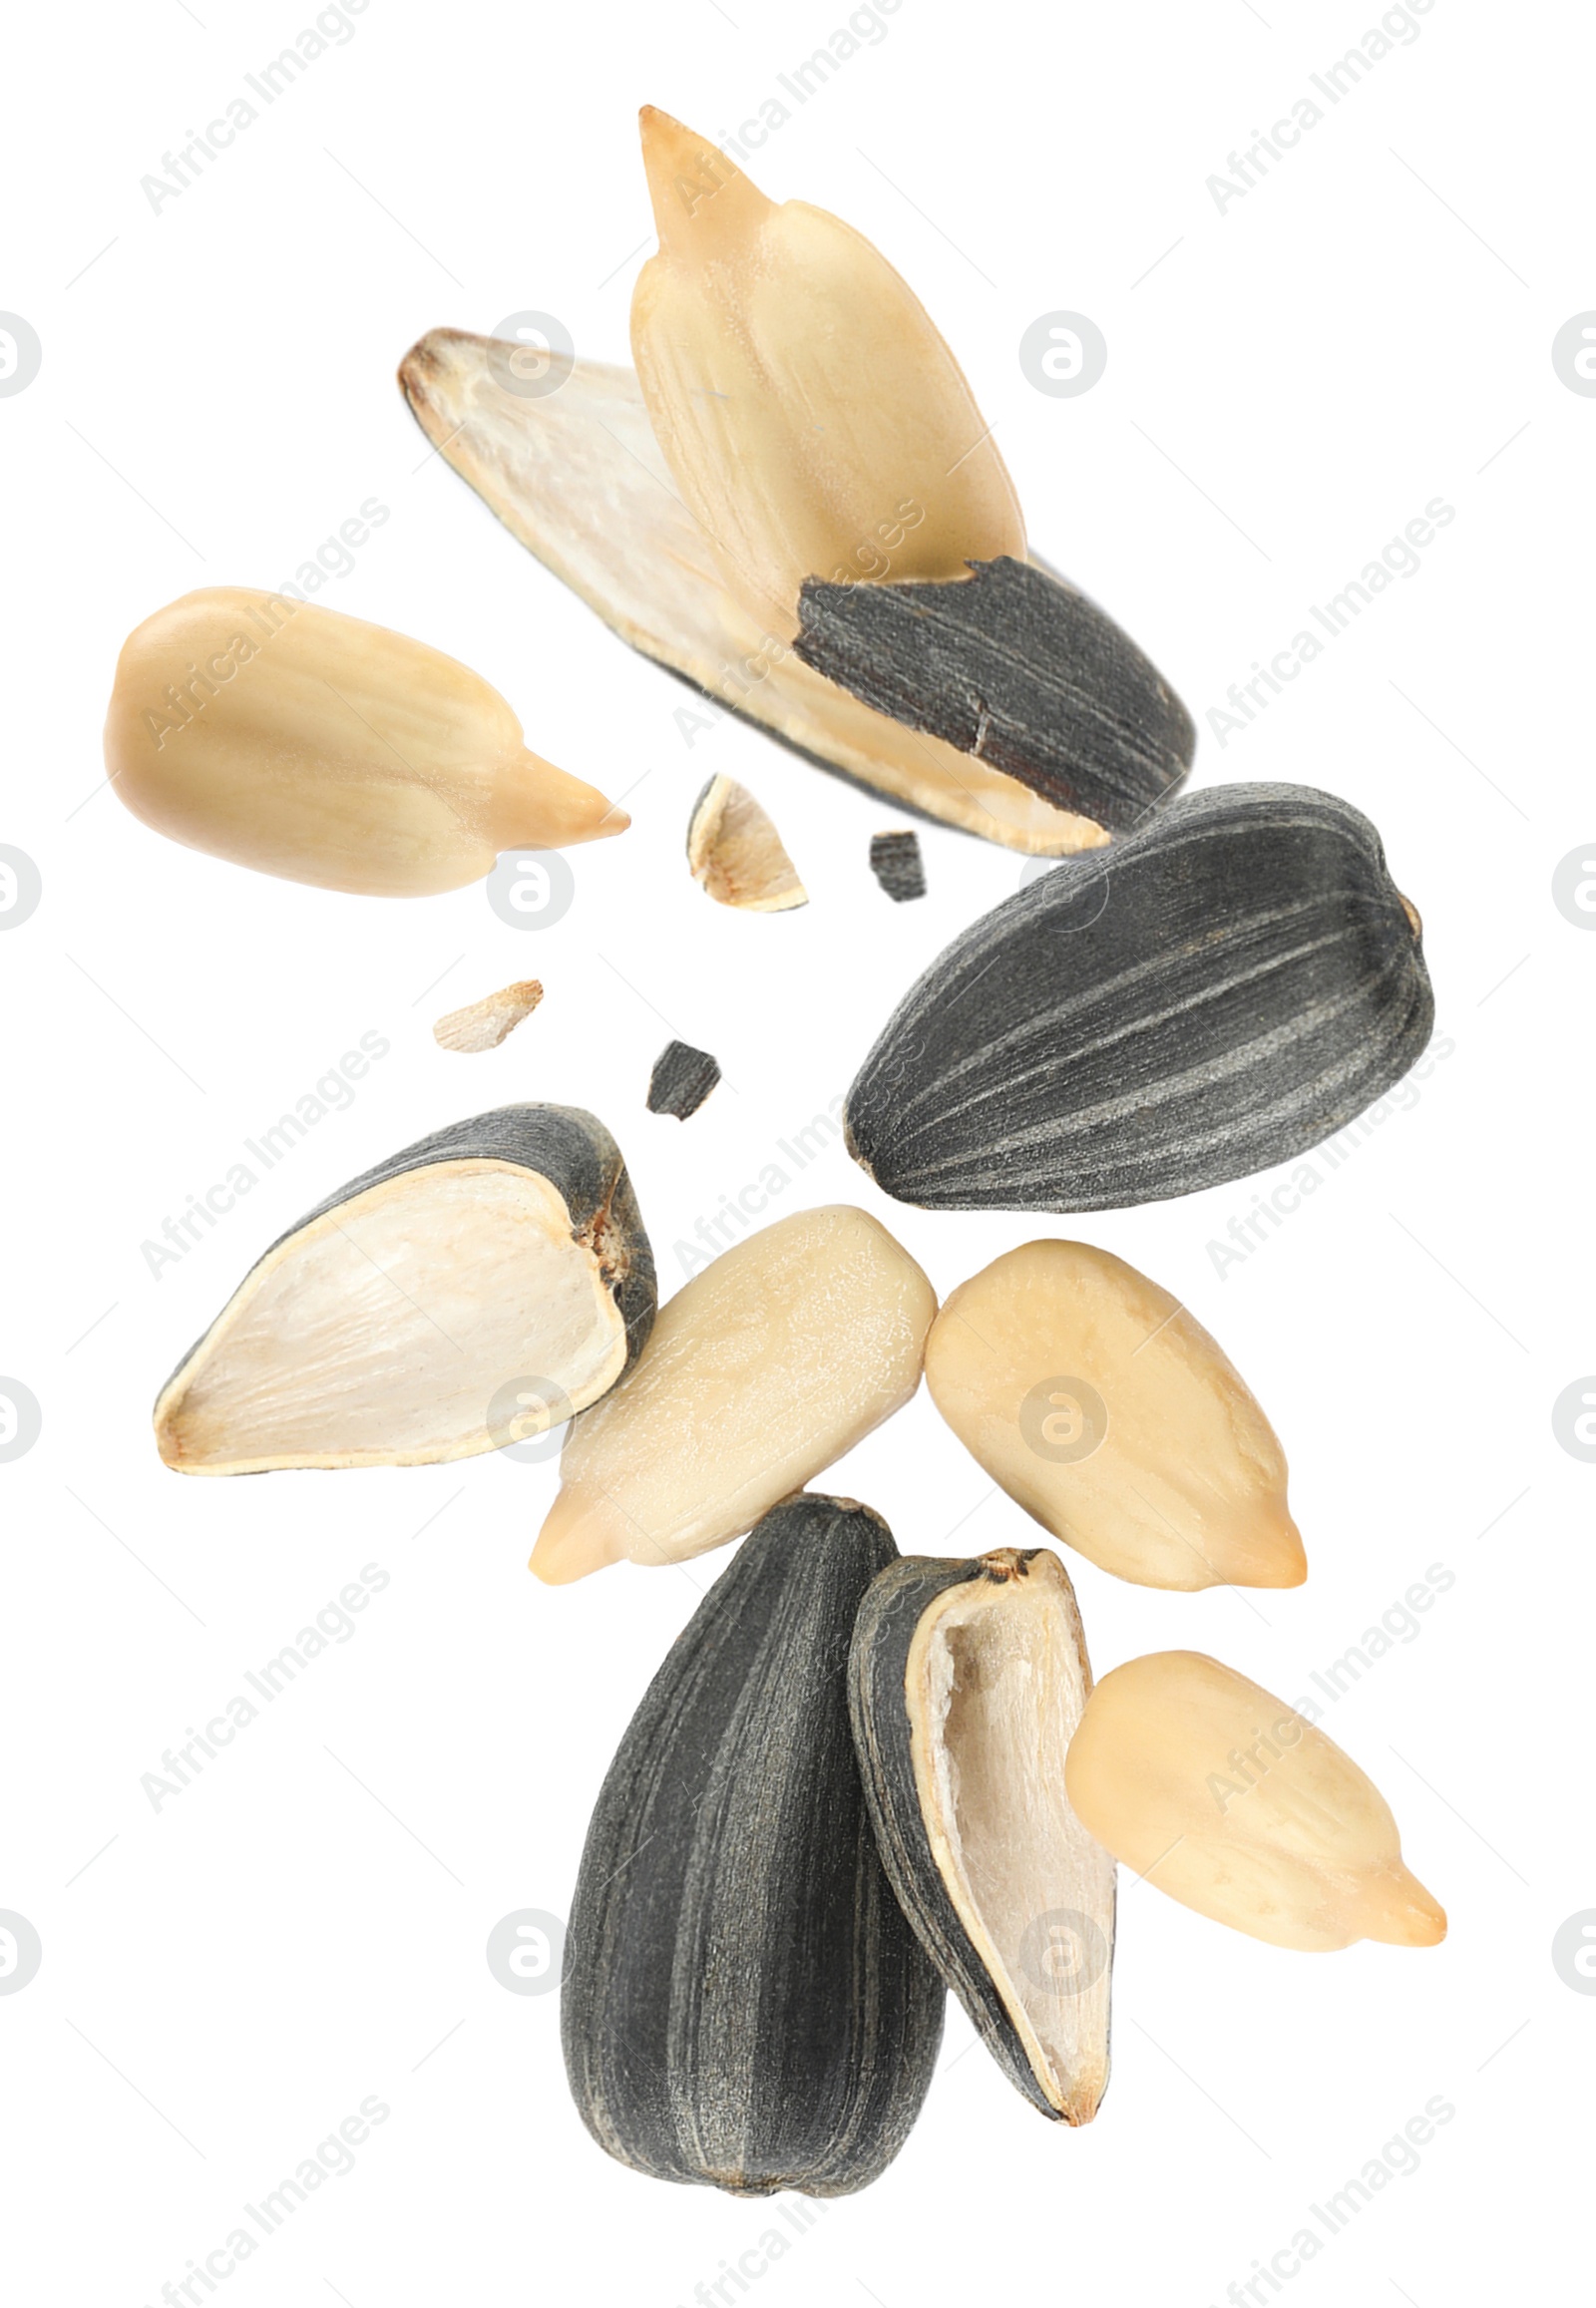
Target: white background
{"type": "Point", "coordinates": [1286, 386]}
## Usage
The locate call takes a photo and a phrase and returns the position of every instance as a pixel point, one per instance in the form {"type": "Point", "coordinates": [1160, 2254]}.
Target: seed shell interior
{"type": "Point", "coordinates": [965, 1684]}
{"type": "Point", "coordinates": [577, 477]}
{"type": "Point", "coordinates": [384, 1328]}
{"type": "Point", "coordinates": [735, 853]}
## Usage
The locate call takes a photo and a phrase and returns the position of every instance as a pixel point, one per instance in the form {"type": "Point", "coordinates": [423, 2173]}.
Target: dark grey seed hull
{"type": "Point", "coordinates": [898, 866]}
{"type": "Point", "coordinates": [1216, 993]}
{"type": "Point", "coordinates": [1018, 667]}
{"type": "Point", "coordinates": [744, 2005]}
{"type": "Point", "coordinates": [682, 1078]}
{"type": "Point", "coordinates": [576, 1153]}
{"type": "Point", "coordinates": [877, 1674]}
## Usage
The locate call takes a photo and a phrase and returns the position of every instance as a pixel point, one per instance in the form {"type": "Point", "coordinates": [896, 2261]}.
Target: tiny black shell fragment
{"type": "Point", "coordinates": [1015, 666]}
{"type": "Point", "coordinates": [681, 1081]}
{"type": "Point", "coordinates": [898, 866]}
{"type": "Point", "coordinates": [744, 2006]}
{"type": "Point", "coordinates": [1215, 993]}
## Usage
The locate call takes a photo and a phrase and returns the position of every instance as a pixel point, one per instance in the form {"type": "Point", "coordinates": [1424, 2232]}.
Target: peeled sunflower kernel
{"type": "Point", "coordinates": [1222, 1796]}
{"type": "Point", "coordinates": [307, 744]}
{"type": "Point", "coordinates": [815, 421]}
{"type": "Point", "coordinates": [1107, 1411]}
{"type": "Point", "coordinates": [770, 1363]}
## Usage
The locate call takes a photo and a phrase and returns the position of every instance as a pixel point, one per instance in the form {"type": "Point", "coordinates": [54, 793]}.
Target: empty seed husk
{"type": "Point", "coordinates": [898, 866]}
{"type": "Point", "coordinates": [965, 1684]}
{"type": "Point", "coordinates": [425, 1310]}
{"type": "Point", "coordinates": [744, 2006]}
{"type": "Point", "coordinates": [1107, 1411]}
{"type": "Point", "coordinates": [681, 1081]}
{"type": "Point", "coordinates": [1210, 995]}
{"type": "Point", "coordinates": [1018, 668]}
{"type": "Point", "coordinates": [781, 1354]}
{"type": "Point", "coordinates": [307, 744]}
{"type": "Point", "coordinates": [1223, 1796]}
{"type": "Point", "coordinates": [735, 853]}
{"type": "Point", "coordinates": [483, 1025]}
{"type": "Point", "coordinates": [576, 476]}
{"type": "Point", "coordinates": [812, 416]}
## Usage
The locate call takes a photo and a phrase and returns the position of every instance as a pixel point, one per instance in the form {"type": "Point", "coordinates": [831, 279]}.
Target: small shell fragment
{"type": "Point", "coordinates": [744, 2006]}
{"type": "Point", "coordinates": [419, 1311]}
{"type": "Point", "coordinates": [483, 1025]}
{"type": "Point", "coordinates": [781, 1354]}
{"type": "Point", "coordinates": [1224, 1797]}
{"type": "Point", "coordinates": [898, 866]}
{"type": "Point", "coordinates": [966, 1682]}
{"type": "Point", "coordinates": [1107, 1411]}
{"type": "Point", "coordinates": [735, 852]}
{"type": "Point", "coordinates": [307, 744]}
{"type": "Point", "coordinates": [1210, 995]}
{"type": "Point", "coordinates": [681, 1081]}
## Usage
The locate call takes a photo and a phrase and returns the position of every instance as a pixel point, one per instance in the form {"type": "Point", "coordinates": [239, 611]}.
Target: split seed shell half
{"type": "Point", "coordinates": [1107, 1411]}
{"type": "Point", "coordinates": [1220, 1795]}
{"type": "Point", "coordinates": [577, 477]}
{"type": "Point", "coordinates": [495, 1270]}
{"type": "Point", "coordinates": [744, 2006]}
{"type": "Point", "coordinates": [1206, 997]}
{"type": "Point", "coordinates": [965, 1684]}
{"type": "Point", "coordinates": [770, 1363]}
{"type": "Point", "coordinates": [314, 746]}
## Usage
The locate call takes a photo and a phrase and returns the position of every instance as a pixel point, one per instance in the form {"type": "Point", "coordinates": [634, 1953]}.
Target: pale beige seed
{"type": "Point", "coordinates": [483, 1025]}
{"type": "Point", "coordinates": [737, 854]}
{"type": "Point", "coordinates": [761, 1370]}
{"type": "Point", "coordinates": [815, 421]}
{"type": "Point", "coordinates": [305, 743]}
{"type": "Point", "coordinates": [1108, 1413]}
{"type": "Point", "coordinates": [1222, 1796]}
